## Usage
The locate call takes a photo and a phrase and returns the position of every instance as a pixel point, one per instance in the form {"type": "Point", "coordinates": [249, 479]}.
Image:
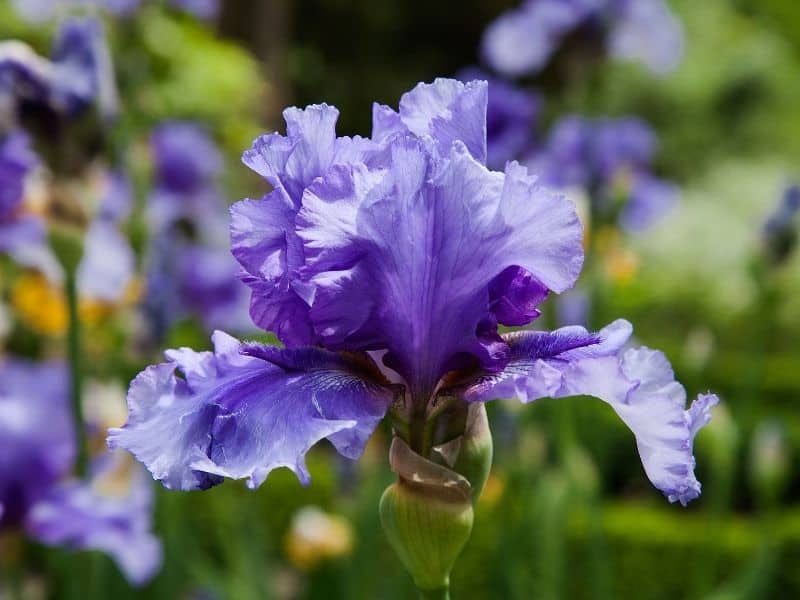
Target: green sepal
{"type": "Point", "coordinates": [427, 516]}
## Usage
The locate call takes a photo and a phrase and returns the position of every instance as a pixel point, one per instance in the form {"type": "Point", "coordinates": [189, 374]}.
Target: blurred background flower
{"type": "Point", "coordinates": [674, 124]}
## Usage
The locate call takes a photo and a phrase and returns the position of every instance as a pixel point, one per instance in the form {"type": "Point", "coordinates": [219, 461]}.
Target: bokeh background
{"type": "Point", "coordinates": [568, 512]}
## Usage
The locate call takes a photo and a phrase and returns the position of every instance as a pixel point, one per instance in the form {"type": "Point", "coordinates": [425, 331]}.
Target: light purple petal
{"type": "Point", "coordinates": [309, 148]}
{"type": "Point", "coordinates": [448, 110]}
{"type": "Point", "coordinates": [25, 241]}
{"type": "Point", "coordinates": [242, 415]}
{"type": "Point", "coordinates": [263, 237]}
{"type": "Point", "coordinates": [32, 456]}
{"type": "Point", "coordinates": [108, 263]}
{"type": "Point", "coordinates": [638, 384]}
{"type": "Point", "coordinates": [522, 40]}
{"type": "Point", "coordinates": [117, 199]}
{"type": "Point", "coordinates": [111, 512]}
{"type": "Point", "coordinates": [647, 31]}
{"type": "Point", "coordinates": [403, 258]}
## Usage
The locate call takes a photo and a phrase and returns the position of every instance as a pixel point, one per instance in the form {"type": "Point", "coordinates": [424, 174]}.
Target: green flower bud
{"type": "Point", "coordinates": [427, 516]}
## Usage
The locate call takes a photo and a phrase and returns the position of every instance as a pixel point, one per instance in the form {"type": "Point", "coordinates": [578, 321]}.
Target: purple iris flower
{"type": "Point", "coordinates": [37, 493]}
{"type": "Point", "coordinates": [510, 117]}
{"type": "Point", "coordinates": [78, 75]}
{"type": "Point", "coordinates": [385, 266]}
{"type": "Point", "coordinates": [603, 155]}
{"type": "Point", "coordinates": [190, 269]}
{"type": "Point", "coordinates": [522, 40]}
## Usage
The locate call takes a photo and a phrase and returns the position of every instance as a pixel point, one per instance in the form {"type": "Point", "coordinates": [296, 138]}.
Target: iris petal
{"type": "Point", "coordinates": [404, 258]}
{"type": "Point", "coordinates": [245, 410]}
{"type": "Point", "coordinates": [637, 383]}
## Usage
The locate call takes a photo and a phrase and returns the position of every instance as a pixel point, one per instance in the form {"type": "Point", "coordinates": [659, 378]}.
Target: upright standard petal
{"type": "Point", "coordinates": [403, 258]}
{"type": "Point", "coordinates": [112, 512]}
{"type": "Point", "coordinates": [263, 237]}
{"type": "Point", "coordinates": [244, 410]}
{"type": "Point", "coordinates": [637, 383]}
{"type": "Point", "coordinates": [443, 111]}
{"type": "Point", "coordinates": [310, 147]}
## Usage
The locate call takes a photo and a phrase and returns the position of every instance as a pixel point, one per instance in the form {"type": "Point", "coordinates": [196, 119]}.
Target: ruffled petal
{"type": "Point", "coordinates": [403, 258]}
{"type": "Point", "coordinates": [638, 384]}
{"type": "Point", "coordinates": [112, 513]}
{"type": "Point", "coordinates": [245, 410]}
{"type": "Point", "coordinates": [291, 162]}
{"type": "Point", "coordinates": [443, 111]}
{"type": "Point", "coordinates": [263, 237]}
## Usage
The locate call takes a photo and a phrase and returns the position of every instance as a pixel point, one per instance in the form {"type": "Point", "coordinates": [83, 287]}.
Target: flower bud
{"type": "Point", "coordinates": [427, 516]}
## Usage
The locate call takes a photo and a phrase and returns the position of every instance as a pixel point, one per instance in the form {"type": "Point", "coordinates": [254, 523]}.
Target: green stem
{"type": "Point", "coordinates": [442, 593]}
{"type": "Point", "coordinates": [74, 360]}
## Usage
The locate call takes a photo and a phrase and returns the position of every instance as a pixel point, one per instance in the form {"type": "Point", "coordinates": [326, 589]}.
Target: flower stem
{"type": "Point", "coordinates": [75, 374]}
{"type": "Point", "coordinates": [442, 593]}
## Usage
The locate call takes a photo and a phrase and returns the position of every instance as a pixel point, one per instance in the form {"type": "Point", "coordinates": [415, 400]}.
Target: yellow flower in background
{"type": "Point", "coordinates": [315, 536]}
{"type": "Point", "coordinates": [40, 305]}
{"type": "Point", "coordinates": [619, 263]}
{"type": "Point", "coordinates": [493, 491]}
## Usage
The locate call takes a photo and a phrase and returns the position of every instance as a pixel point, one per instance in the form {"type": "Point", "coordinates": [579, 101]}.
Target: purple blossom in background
{"type": "Point", "coordinates": [16, 161]}
{"type": "Point", "coordinates": [205, 10]}
{"type": "Point", "coordinates": [648, 32]}
{"type": "Point", "coordinates": [511, 114]}
{"type": "Point", "coordinates": [78, 75]}
{"type": "Point", "coordinates": [608, 158]}
{"type": "Point", "coordinates": [780, 230]}
{"type": "Point", "coordinates": [394, 259]}
{"type": "Point", "coordinates": [521, 41]}
{"type": "Point", "coordinates": [108, 264]}
{"type": "Point", "coordinates": [37, 493]}
{"type": "Point", "coordinates": [22, 235]}
{"type": "Point", "coordinates": [37, 11]}
{"type": "Point", "coordinates": [186, 160]}
{"type": "Point", "coordinates": [190, 268]}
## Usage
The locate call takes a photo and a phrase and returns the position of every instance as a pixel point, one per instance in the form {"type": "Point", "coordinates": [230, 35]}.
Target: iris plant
{"type": "Point", "coordinates": [386, 266]}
